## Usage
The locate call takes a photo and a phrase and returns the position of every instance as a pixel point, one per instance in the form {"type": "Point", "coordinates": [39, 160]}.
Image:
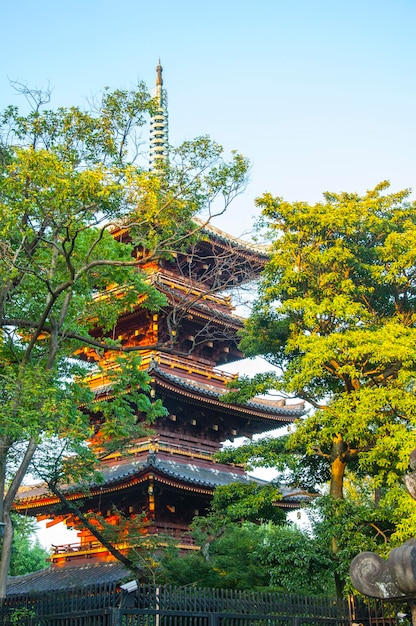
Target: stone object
{"type": "Point", "coordinates": [391, 579]}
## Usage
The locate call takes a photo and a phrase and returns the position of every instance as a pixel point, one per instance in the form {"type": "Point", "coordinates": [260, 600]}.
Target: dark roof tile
{"type": "Point", "coordinates": [266, 406]}
{"type": "Point", "coordinates": [54, 577]}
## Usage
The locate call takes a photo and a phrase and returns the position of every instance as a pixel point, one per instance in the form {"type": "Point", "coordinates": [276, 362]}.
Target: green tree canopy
{"type": "Point", "coordinates": [68, 178]}
{"type": "Point", "coordinates": [252, 556]}
{"type": "Point", "coordinates": [227, 560]}
{"type": "Point", "coordinates": [27, 554]}
{"type": "Point", "coordinates": [336, 315]}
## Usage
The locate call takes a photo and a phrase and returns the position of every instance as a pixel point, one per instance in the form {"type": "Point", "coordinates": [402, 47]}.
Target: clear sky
{"type": "Point", "coordinates": [318, 94]}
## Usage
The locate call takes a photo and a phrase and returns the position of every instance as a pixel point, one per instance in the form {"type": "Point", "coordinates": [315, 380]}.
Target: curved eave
{"type": "Point", "coordinates": [216, 234]}
{"type": "Point", "coordinates": [204, 311]}
{"type": "Point", "coordinates": [191, 477]}
{"type": "Point", "coordinates": [212, 234]}
{"type": "Point", "coordinates": [198, 393]}
{"type": "Point", "coordinates": [183, 486]}
{"type": "Point", "coordinates": [132, 477]}
{"type": "Point", "coordinates": [47, 500]}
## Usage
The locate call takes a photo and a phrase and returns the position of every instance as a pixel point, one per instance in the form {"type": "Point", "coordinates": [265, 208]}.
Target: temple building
{"type": "Point", "coordinates": [170, 475]}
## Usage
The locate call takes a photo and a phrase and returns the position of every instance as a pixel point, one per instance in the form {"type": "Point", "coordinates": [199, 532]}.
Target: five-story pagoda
{"type": "Point", "coordinates": [170, 475]}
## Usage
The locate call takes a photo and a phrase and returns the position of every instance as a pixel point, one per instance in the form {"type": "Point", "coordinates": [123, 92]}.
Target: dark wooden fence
{"type": "Point", "coordinates": [107, 605]}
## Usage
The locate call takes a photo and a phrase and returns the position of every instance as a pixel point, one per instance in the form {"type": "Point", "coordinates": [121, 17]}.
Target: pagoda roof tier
{"type": "Point", "coordinates": [193, 476]}
{"type": "Point", "coordinates": [129, 471]}
{"type": "Point", "coordinates": [192, 289]}
{"type": "Point", "coordinates": [210, 306]}
{"type": "Point", "coordinates": [237, 260]}
{"type": "Point", "coordinates": [207, 385]}
{"type": "Point", "coordinates": [186, 292]}
{"type": "Point", "coordinates": [197, 382]}
{"type": "Point", "coordinates": [197, 302]}
{"type": "Point", "coordinates": [212, 234]}
{"type": "Point", "coordinates": [194, 472]}
{"type": "Point", "coordinates": [229, 260]}
{"type": "Point", "coordinates": [220, 236]}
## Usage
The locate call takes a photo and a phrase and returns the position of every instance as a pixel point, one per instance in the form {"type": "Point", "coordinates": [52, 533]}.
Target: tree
{"type": "Point", "coordinates": [357, 521]}
{"type": "Point", "coordinates": [250, 502]}
{"type": "Point", "coordinates": [229, 538]}
{"type": "Point", "coordinates": [227, 560]}
{"type": "Point", "coordinates": [27, 554]}
{"type": "Point", "coordinates": [67, 177]}
{"type": "Point", "coordinates": [296, 561]}
{"type": "Point", "coordinates": [335, 314]}
{"type": "Point", "coordinates": [254, 556]}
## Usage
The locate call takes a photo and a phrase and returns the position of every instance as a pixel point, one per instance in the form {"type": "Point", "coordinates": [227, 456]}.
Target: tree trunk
{"type": "Point", "coordinates": [412, 606]}
{"type": "Point", "coordinates": [6, 506]}
{"type": "Point", "coordinates": [336, 491]}
{"type": "Point", "coordinates": [337, 468]}
{"type": "Point", "coordinates": [6, 553]}
{"type": "Point", "coordinates": [95, 531]}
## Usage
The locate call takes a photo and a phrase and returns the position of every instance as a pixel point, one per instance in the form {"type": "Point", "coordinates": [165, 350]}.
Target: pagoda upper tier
{"type": "Point", "coordinates": [198, 321]}
{"type": "Point", "coordinates": [194, 394]}
{"type": "Point", "coordinates": [216, 260]}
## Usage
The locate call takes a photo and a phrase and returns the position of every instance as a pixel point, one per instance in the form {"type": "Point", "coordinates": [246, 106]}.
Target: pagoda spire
{"type": "Point", "coordinates": [159, 125]}
{"type": "Point", "coordinates": [159, 79]}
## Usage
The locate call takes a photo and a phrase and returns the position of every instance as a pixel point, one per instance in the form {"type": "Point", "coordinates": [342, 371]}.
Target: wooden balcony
{"type": "Point", "coordinates": [94, 549]}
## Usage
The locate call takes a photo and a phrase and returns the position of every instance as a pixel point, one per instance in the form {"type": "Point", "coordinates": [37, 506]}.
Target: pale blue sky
{"type": "Point", "coordinates": [320, 95]}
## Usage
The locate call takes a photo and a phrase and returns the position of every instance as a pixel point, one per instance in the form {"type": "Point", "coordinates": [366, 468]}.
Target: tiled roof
{"type": "Point", "coordinates": [235, 321]}
{"type": "Point", "coordinates": [214, 476]}
{"type": "Point", "coordinates": [262, 250]}
{"type": "Point", "coordinates": [258, 404]}
{"type": "Point", "coordinates": [54, 578]}
{"type": "Point", "coordinates": [191, 473]}
{"type": "Point", "coordinates": [127, 468]}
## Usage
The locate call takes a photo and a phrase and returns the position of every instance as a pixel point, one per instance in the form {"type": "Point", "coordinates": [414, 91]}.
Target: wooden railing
{"type": "Point", "coordinates": [70, 548]}
{"type": "Point", "coordinates": [171, 447]}
{"type": "Point", "coordinates": [178, 532]}
{"type": "Point", "coordinates": [99, 379]}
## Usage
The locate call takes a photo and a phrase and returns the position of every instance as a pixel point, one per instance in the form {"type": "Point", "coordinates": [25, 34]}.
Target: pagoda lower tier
{"type": "Point", "coordinates": [170, 476]}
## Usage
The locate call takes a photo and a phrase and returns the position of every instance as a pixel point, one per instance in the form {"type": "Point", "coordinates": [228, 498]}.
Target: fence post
{"type": "Point", "coordinates": [213, 619]}
{"type": "Point", "coordinates": [115, 617]}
